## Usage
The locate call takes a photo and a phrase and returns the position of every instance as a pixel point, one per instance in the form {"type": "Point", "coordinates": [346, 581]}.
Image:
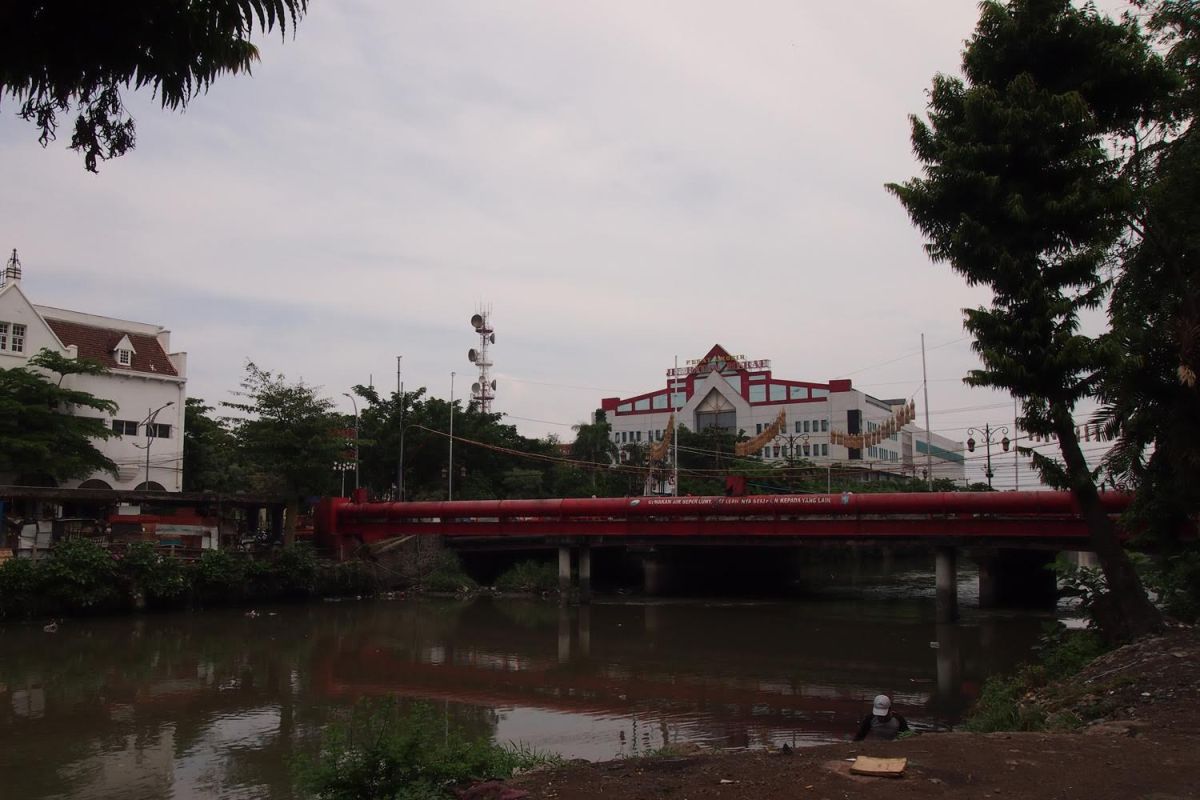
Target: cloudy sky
{"type": "Point", "coordinates": [621, 182]}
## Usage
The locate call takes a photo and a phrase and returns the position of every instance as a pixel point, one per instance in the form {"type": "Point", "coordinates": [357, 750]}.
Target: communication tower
{"type": "Point", "coordinates": [483, 391]}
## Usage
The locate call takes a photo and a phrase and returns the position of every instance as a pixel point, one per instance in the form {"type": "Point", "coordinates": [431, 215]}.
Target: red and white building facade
{"type": "Point", "coordinates": [744, 397]}
{"type": "Point", "coordinates": [143, 377]}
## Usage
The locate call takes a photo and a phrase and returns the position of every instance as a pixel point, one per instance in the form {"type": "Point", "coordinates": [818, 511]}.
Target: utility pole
{"type": "Point", "coordinates": [354, 403]}
{"type": "Point", "coordinates": [675, 436]}
{"type": "Point", "coordinates": [450, 471]}
{"type": "Point", "coordinates": [400, 461]}
{"type": "Point", "coordinates": [928, 430]}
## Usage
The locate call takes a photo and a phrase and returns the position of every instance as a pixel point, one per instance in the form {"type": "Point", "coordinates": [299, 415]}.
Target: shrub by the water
{"type": "Point", "coordinates": [387, 751]}
{"type": "Point", "coordinates": [448, 575]}
{"type": "Point", "coordinates": [79, 575]}
{"type": "Point", "coordinates": [1005, 703]}
{"type": "Point", "coordinates": [529, 576]}
{"type": "Point", "coordinates": [20, 589]}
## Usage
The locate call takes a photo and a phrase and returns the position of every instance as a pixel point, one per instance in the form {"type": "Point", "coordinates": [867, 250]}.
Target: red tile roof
{"type": "Point", "coordinates": [98, 343]}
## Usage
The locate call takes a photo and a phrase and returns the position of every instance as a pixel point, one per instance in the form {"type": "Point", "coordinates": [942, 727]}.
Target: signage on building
{"type": "Point", "coordinates": [719, 363]}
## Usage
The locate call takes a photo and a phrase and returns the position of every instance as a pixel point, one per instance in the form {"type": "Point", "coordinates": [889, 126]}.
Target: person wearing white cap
{"type": "Point", "coordinates": [881, 723]}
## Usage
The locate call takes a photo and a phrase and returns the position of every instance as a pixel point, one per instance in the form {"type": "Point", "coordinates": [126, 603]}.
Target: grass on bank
{"type": "Point", "coordinates": [385, 750]}
{"type": "Point", "coordinates": [529, 576]}
{"type": "Point", "coordinates": [1007, 702]}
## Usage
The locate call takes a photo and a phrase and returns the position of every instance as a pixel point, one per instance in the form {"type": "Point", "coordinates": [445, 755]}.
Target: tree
{"type": "Point", "coordinates": [1020, 194]}
{"type": "Point", "coordinates": [287, 436]}
{"type": "Point", "coordinates": [594, 444]}
{"type": "Point", "coordinates": [1151, 393]}
{"type": "Point", "coordinates": [211, 462]}
{"type": "Point", "coordinates": [60, 55]}
{"type": "Point", "coordinates": [40, 431]}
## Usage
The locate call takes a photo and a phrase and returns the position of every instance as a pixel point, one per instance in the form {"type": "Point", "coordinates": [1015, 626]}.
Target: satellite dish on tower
{"type": "Point", "coordinates": [475, 388]}
{"type": "Point", "coordinates": [493, 338]}
{"type": "Point", "coordinates": [493, 386]}
{"type": "Point", "coordinates": [472, 356]}
{"type": "Point", "coordinates": [477, 321]}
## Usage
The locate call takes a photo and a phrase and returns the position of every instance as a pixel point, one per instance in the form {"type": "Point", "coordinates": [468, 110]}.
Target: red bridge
{"type": "Point", "coordinates": [1031, 517]}
{"type": "Point", "coordinates": [984, 521]}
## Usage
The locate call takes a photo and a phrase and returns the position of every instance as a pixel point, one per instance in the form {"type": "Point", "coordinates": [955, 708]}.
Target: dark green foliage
{"type": "Point", "coordinates": [286, 435]}
{"type": "Point", "coordinates": [448, 575]}
{"type": "Point", "coordinates": [1006, 703]}
{"type": "Point", "coordinates": [161, 581]}
{"type": "Point", "coordinates": [20, 589]}
{"type": "Point", "coordinates": [211, 460]}
{"type": "Point", "coordinates": [385, 751]}
{"type": "Point", "coordinates": [80, 575]}
{"type": "Point", "coordinates": [1021, 194]}
{"type": "Point", "coordinates": [1151, 393]}
{"type": "Point", "coordinates": [37, 433]}
{"type": "Point", "coordinates": [58, 56]}
{"type": "Point", "coordinates": [220, 577]}
{"type": "Point", "coordinates": [346, 579]}
{"type": "Point", "coordinates": [529, 576]}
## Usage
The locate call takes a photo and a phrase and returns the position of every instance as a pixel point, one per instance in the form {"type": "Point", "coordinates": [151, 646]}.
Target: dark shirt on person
{"type": "Point", "coordinates": [885, 728]}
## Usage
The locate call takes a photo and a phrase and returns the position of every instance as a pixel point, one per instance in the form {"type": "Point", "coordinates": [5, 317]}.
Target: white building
{"type": "Point", "coordinates": [143, 377]}
{"type": "Point", "coordinates": [744, 397]}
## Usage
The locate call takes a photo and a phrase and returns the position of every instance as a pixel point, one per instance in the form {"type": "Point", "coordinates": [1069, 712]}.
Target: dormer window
{"type": "Point", "coordinates": [122, 352]}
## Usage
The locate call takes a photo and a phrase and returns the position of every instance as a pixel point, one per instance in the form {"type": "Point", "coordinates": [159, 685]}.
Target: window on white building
{"type": "Point", "coordinates": [124, 358]}
{"type": "Point", "coordinates": [758, 393]}
{"type": "Point", "coordinates": [806, 426]}
{"type": "Point", "coordinates": [12, 337]}
{"type": "Point", "coordinates": [125, 427]}
{"type": "Point", "coordinates": [160, 431]}
{"type": "Point", "coordinates": [824, 426]}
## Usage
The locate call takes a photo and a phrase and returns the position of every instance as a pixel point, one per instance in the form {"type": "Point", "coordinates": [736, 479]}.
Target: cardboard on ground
{"type": "Point", "coordinates": [879, 767]}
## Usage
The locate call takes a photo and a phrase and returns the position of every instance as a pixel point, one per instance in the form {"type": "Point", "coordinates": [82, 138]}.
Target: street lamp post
{"type": "Point", "coordinates": [355, 405]}
{"type": "Point", "coordinates": [149, 422]}
{"type": "Point", "coordinates": [988, 433]}
{"type": "Point", "coordinates": [450, 471]}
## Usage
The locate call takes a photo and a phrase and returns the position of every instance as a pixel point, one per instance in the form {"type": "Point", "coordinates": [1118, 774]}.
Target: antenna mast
{"type": "Point", "coordinates": [484, 391]}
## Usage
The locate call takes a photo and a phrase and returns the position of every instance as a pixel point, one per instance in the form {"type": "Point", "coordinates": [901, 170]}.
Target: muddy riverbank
{"type": "Point", "coordinates": [1140, 738]}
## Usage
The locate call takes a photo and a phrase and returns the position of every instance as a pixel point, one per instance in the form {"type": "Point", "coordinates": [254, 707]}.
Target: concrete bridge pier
{"type": "Point", "coordinates": [1017, 578]}
{"type": "Point", "coordinates": [655, 573]}
{"type": "Point", "coordinates": [585, 572]}
{"type": "Point", "coordinates": [564, 573]}
{"type": "Point", "coordinates": [946, 578]}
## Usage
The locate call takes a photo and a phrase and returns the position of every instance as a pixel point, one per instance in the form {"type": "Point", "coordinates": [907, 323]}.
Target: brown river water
{"type": "Point", "coordinates": [216, 704]}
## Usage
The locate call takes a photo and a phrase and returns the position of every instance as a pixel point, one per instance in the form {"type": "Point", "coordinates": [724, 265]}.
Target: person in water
{"type": "Point", "coordinates": [881, 723]}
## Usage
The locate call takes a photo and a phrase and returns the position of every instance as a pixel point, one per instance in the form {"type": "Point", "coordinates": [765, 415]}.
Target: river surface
{"type": "Point", "coordinates": [216, 704]}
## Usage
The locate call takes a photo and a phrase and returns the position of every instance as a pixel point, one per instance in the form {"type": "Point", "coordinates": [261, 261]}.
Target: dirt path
{"type": "Point", "coordinates": [1144, 744]}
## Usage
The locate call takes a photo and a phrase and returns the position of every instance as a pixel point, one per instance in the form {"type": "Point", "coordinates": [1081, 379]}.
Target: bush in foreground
{"type": "Point", "coordinates": [386, 751]}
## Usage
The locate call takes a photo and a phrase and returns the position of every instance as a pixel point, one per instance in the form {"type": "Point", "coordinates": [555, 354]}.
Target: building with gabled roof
{"type": "Point", "coordinates": [825, 422]}
{"type": "Point", "coordinates": [145, 379]}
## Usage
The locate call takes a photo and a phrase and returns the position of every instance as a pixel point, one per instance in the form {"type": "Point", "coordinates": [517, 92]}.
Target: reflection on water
{"type": "Point", "coordinates": [215, 704]}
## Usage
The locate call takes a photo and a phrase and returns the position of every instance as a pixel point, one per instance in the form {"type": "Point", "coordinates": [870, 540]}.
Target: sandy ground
{"type": "Point", "coordinates": [1142, 740]}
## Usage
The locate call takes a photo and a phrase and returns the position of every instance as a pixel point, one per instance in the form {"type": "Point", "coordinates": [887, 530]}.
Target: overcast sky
{"type": "Point", "coordinates": [622, 182]}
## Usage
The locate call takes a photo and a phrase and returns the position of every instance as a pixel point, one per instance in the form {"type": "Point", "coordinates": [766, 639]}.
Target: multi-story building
{"type": "Point", "coordinates": [819, 419]}
{"type": "Point", "coordinates": [146, 381]}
